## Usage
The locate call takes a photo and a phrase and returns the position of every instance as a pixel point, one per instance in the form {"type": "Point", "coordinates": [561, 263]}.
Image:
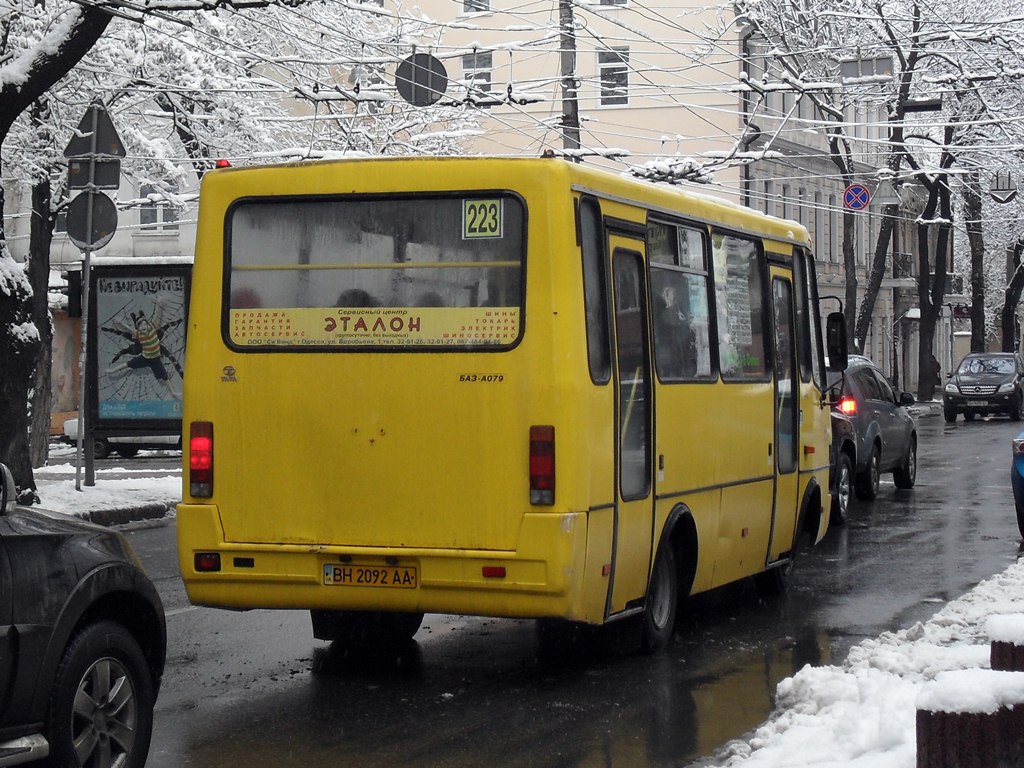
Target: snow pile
{"type": "Point", "coordinates": [116, 488]}
{"type": "Point", "coordinates": [123, 492]}
{"type": "Point", "coordinates": [862, 714]}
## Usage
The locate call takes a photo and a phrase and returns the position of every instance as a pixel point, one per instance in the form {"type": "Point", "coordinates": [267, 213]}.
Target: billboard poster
{"type": "Point", "coordinates": [138, 317]}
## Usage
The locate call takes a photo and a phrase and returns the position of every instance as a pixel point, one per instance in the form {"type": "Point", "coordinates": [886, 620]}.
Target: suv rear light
{"type": "Point", "coordinates": [542, 464]}
{"type": "Point", "coordinates": [1018, 447]}
{"type": "Point", "coordinates": [200, 459]}
{"type": "Point", "coordinates": [848, 406]}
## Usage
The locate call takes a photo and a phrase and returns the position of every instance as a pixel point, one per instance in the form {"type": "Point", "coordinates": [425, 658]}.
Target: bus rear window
{"type": "Point", "coordinates": [414, 271]}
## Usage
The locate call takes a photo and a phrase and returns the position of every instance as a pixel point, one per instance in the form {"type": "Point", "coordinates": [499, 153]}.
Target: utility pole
{"type": "Point", "coordinates": [570, 85]}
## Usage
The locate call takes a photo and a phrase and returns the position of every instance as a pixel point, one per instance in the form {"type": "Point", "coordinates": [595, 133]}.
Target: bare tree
{"type": "Point", "coordinates": [40, 45]}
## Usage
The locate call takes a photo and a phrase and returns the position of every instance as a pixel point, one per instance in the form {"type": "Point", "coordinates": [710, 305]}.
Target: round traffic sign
{"type": "Point", "coordinates": [104, 220]}
{"type": "Point", "coordinates": [421, 79]}
{"type": "Point", "coordinates": [856, 197]}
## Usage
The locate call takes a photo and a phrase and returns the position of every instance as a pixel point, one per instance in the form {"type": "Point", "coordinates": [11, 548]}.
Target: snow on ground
{"type": "Point", "coordinates": [858, 714]}
{"type": "Point", "coordinates": [115, 488]}
{"type": "Point", "coordinates": [861, 713]}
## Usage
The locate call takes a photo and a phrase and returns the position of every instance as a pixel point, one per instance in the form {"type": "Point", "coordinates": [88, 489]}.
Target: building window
{"type": "Point", "coordinates": [769, 197]}
{"type": "Point", "coordinates": [476, 6]}
{"type": "Point", "coordinates": [819, 228]}
{"type": "Point", "coordinates": [476, 73]}
{"type": "Point", "coordinates": [613, 67]}
{"type": "Point", "coordinates": [613, 2]}
{"type": "Point", "coordinates": [786, 201]}
{"type": "Point", "coordinates": [861, 240]}
{"type": "Point", "coordinates": [157, 215]}
{"type": "Point", "coordinates": [834, 224]}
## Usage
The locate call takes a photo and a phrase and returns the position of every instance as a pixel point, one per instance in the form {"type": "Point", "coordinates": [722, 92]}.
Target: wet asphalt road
{"type": "Point", "coordinates": [255, 689]}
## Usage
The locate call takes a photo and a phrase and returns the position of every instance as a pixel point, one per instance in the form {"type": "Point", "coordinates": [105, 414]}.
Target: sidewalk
{"type": "Point", "coordinates": [932, 408]}
{"type": "Point", "coordinates": [121, 495]}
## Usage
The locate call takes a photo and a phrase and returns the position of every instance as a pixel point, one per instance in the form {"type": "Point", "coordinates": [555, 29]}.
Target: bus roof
{"type": "Point", "coordinates": [599, 182]}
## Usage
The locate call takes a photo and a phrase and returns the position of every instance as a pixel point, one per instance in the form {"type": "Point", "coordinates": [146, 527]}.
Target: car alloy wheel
{"type": "Point", "coordinates": [844, 489]}
{"type": "Point", "coordinates": [867, 481]}
{"type": "Point", "coordinates": [101, 708]}
{"type": "Point", "coordinates": [906, 473]}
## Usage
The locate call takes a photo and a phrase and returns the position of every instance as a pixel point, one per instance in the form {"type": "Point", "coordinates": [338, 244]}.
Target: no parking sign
{"type": "Point", "coordinates": [856, 197]}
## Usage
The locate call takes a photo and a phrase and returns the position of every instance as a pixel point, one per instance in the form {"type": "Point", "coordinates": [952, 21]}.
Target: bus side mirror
{"type": "Point", "coordinates": [835, 341]}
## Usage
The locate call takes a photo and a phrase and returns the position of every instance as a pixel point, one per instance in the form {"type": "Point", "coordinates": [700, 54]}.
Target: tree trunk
{"type": "Point", "coordinates": [930, 291]}
{"type": "Point", "coordinates": [19, 337]}
{"type": "Point", "coordinates": [40, 235]}
{"type": "Point", "coordinates": [19, 343]}
{"type": "Point", "coordinates": [976, 238]}
{"type": "Point", "coordinates": [839, 151]}
{"type": "Point", "coordinates": [1014, 287]}
{"type": "Point", "coordinates": [867, 307]}
{"type": "Point", "coordinates": [850, 268]}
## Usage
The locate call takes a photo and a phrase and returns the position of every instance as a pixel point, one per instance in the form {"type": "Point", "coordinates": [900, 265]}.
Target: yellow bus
{"type": "Point", "coordinates": [516, 387]}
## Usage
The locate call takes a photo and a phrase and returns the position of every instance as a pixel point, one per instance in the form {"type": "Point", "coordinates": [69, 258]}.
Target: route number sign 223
{"type": "Point", "coordinates": [481, 218]}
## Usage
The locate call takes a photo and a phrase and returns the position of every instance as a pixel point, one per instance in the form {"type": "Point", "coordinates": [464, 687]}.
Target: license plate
{"type": "Point", "coordinates": [400, 576]}
{"type": "Point", "coordinates": [977, 403]}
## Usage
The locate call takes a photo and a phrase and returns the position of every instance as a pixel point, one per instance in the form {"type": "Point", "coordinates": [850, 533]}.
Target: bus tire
{"type": "Point", "coordinates": [659, 616]}
{"type": "Point", "coordinates": [774, 581]}
{"type": "Point", "coordinates": [365, 629]}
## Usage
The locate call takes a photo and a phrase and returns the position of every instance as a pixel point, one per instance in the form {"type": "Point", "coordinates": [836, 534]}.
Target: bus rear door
{"type": "Point", "coordinates": [634, 506]}
{"type": "Point", "coordinates": [787, 417]}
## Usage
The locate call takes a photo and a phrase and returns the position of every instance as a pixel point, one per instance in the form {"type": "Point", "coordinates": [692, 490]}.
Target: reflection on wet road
{"type": "Point", "coordinates": [254, 689]}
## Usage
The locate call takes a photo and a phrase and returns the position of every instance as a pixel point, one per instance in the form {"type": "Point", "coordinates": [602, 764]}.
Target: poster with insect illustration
{"type": "Point", "coordinates": [138, 323]}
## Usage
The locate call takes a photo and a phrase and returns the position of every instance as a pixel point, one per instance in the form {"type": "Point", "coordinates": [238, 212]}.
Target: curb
{"type": "Point", "coordinates": [925, 409]}
{"type": "Point", "coordinates": [122, 515]}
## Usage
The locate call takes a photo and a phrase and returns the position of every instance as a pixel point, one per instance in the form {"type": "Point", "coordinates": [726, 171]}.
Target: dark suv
{"type": "Point", "coordinates": [886, 433]}
{"type": "Point", "coordinates": [82, 641]}
{"type": "Point", "coordinates": [984, 383]}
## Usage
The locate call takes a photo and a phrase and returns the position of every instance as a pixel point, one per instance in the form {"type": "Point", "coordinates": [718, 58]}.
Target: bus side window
{"type": "Point", "coordinates": [675, 345]}
{"type": "Point", "coordinates": [679, 300]}
{"type": "Point", "coordinates": [741, 341]}
{"type": "Point", "coordinates": [595, 290]}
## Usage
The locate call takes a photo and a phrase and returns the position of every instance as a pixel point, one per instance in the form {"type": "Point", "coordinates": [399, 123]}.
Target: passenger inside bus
{"type": "Point", "coordinates": [356, 297]}
{"type": "Point", "coordinates": [675, 344]}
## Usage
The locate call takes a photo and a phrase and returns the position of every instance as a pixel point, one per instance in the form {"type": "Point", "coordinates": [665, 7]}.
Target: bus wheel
{"type": "Point", "coordinates": [401, 627]}
{"type": "Point", "coordinates": [774, 581]}
{"type": "Point", "coordinates": [662, 599]}
{"type": "Point", "coordinates": [365, 629]}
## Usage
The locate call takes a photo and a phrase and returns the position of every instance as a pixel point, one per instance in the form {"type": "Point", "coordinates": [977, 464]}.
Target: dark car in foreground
{"type": "Point", "coordinates": [886, 435]}
{"type": "Point", "coordinates": [985, 383]}
{"type": "Point", "coordinates": [82, 641]}
{"type": "Point", "coordinates": [1017, 479]}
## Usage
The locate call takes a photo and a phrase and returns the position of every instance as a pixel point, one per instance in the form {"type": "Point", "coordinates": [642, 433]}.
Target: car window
{"type": "Point", "coordinates": [867, 384]}
{"type": "Point", "coordinates": [884, 388]}
{"type": "Point", "coordinates": [978, 365]}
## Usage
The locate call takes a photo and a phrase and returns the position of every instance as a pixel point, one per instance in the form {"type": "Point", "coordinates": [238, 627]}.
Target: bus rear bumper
{"type": "Point", "coordinates": [542, 577]}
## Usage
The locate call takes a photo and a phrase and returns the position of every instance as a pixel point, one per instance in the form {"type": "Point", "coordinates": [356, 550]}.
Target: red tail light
{"type": "Point", "coordinates": [542, 465]}
{"type": "Point", "coordinates": [848, 406]}
{"type": "Point", "coordinates": [206, 562]}
{"type": "Point", "coordinates": [200, 459]}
